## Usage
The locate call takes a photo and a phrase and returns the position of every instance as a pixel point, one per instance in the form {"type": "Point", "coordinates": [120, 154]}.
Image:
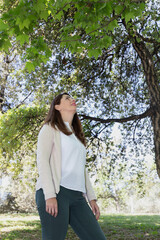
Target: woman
{"type": "Point", "coordinates": [63, 180]}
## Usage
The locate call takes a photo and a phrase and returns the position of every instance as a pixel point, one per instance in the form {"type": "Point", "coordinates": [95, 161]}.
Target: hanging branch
{"type": "Point", "coordinates": [149, 112]}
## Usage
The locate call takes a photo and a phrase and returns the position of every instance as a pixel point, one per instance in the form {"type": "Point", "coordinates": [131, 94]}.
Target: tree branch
{"type": "Point", "coordinates": [147, 113]}
{"type": "Point", "coordinates": [149, 40]}
{"type": "Point", "coordinates": [23, 100]}
{"type": "Point", "coordinates": [107, 53]}
{"type": "Point", "coordinates": [99, 73]}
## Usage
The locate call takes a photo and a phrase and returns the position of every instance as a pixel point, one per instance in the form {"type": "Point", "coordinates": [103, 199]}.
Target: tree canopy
{"type": "Point", "coordinates": [82, 25]}
{"type": "Point", "coordinates": [104, 52]}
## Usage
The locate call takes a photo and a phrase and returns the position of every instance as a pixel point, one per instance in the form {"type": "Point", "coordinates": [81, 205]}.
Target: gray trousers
{"type": "Point", "coordinates": [72, 209]}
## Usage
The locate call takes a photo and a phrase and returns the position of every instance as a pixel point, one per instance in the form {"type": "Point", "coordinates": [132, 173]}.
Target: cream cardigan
{"type": "Point", "coordinates": [49, 164]}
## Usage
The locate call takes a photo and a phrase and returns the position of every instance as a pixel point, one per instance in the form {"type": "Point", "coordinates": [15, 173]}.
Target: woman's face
{"type": "Point", "coordinates": [67, 103]}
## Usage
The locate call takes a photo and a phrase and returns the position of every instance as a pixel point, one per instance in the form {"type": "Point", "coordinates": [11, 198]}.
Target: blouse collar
{"type": "Point", "coordinates": [67, 124]}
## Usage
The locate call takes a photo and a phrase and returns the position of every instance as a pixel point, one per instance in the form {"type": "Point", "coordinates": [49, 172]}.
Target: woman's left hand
{"type": "Point", "coordinates": [95, 208]}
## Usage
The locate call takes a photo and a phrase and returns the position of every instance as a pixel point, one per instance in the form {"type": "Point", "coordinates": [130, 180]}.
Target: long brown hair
{"type": "Point", "coordinates": [54, 118]}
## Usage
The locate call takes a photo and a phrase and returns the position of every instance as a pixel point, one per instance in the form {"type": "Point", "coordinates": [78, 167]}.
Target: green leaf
{"type": "Point", "coordinates": [6, 45]}
{"type": "Point", "coordinates": [118, 9]}
{"type": "Point", "coordinates": [39, 6]}
{"type": "Point", "coordinates": [62, 44]}
{"type": "Point", "coordinates": [58, 15]}
{"type": "Point", "coordinates": [11, 32]}
{"type": "Point", "coordinates": [97, 53]}
{"type": "Point", "coordinates": [112, 25]}
{"type": "Point", "coordinates": [3, 26]}
{"type": "Point", "coordinates": [137, 12]}
{"type": "Point", "coordinates": [94, 53]}
{"type": "Point", "coordinates": [44, 15]}
{"type": "Point", "coordinates": [23, 38]}
{"type": "Point", "coordinates": [26, 23]}
{"type": "Point", "coordinates": [90, 53]}
{"type": "Point", "coordinates": [44, 58]}
{"type": "Point", "coordinates": [102, 6]}
{"type": "Point", "coordinates": [48, 53]}
{"type": "Point", "coordinates": [21, 26]}
{"type": "Point", "coordinates": [129, 15]}
{"type": "Point", "coordinates": [108, 9]}
{"type": "Point", "coordinates": [30, 67]}
{"type": "Point", "coordinates": [90, 28]}
{"type": "Point", "coordinates": [107, 40]}
{"type": "Point", "coordinates": [18, 21]}
{"type": "Point", "coordinates": [142, 6]}
{"type": "Point", "coordinates": [32, 17]}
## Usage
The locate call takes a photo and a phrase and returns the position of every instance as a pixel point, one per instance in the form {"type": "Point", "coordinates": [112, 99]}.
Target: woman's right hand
{"type": "Point", "coordinates": [52, 206]}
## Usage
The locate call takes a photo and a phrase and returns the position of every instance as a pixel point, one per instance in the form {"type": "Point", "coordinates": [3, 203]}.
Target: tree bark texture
{"type": "Point", "coordinates": [3, 81]}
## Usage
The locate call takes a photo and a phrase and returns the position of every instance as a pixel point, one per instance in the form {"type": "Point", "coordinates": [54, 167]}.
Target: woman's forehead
{"type": "Point", "coordinates": [65, 95]}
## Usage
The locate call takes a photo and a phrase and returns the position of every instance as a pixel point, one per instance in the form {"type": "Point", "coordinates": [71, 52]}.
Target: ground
{"type": "Point", "coordinates": [116, 227]}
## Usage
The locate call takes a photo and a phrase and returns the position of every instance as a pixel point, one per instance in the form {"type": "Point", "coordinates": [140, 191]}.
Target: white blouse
{"type": "Point", "coordinates": [73, 162]}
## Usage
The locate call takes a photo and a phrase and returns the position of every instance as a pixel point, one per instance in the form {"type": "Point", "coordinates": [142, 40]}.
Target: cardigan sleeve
{"type": "Point", "coordinates": [89, 189]}
{"type": "Point", "coordinates": [44, 149]}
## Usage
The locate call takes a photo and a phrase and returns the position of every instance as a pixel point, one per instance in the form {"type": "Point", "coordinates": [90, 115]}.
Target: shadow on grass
{"type": "Point", "coordinates": [28, 234]}
{"type": "Point", "coordinates": [115, 227]}
{"type": "Point", "coordinates": [19, 227]}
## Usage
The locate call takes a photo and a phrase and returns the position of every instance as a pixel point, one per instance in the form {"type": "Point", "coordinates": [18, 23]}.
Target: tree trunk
{"type": "Point", "coordinates": [3, 81]}
{"type": "Point", "coordinates": [153, 89]}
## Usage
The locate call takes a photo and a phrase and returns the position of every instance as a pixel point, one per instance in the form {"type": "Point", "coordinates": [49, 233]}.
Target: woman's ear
{"type": "Point", "coordinates": [57, 107]}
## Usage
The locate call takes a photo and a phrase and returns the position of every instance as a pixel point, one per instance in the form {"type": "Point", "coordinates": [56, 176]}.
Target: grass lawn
{"type": "Point", "coordinates": [119, 227]}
